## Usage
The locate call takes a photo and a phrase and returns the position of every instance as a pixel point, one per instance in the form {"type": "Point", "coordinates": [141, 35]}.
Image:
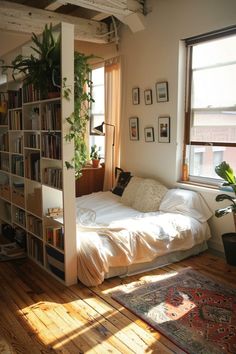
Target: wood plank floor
{"type": "Point", "coordinates": [40, 315]}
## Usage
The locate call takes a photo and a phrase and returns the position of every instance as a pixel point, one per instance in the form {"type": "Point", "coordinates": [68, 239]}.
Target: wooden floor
{"type": "Point", "coordinates": [39, 315]}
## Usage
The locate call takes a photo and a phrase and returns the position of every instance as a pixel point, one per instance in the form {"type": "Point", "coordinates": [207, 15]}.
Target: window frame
{"type": "Point", "coordinates": [190, 42]}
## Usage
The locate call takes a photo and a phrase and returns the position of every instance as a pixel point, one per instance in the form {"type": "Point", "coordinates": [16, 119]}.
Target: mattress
{"type": "Point", "coordinates": [114, 239]}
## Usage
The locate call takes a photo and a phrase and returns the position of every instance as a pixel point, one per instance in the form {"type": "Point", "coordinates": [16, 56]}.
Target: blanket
{"type": "Point", "coordinates": [133, 240]}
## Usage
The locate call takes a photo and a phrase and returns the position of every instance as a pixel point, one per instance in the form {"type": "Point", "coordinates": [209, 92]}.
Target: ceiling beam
{"type": "Point", "coordinates": [55, 5]}
{"type": "Point", "coordinates": [129, 12]}
{"type": "Point", "coordinates": [25, 19]}
{"type": "Point", "coordinates": [112, 7]}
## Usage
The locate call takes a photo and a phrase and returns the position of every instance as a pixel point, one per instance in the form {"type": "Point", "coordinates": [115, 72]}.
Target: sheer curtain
{"type": "Point", "coordinates": [112, 116]}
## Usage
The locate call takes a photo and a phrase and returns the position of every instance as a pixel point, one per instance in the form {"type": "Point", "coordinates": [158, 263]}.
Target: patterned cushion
{"type": "Point", "coordinates": [143, 194]}
{"type": "Point", "coordinates": [149, 196]}
{"type": "Point", "coordinates": [122, 182]}
{"type": "Point", "coordinates": [129, 194]}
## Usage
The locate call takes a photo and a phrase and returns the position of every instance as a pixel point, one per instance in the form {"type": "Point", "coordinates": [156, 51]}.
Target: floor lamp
{"type": "Point", "coordinates": [100, 131]}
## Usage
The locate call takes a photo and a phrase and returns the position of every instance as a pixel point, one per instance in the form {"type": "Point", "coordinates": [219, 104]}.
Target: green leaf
{"type": "Point", "coordinates": [224, 171]}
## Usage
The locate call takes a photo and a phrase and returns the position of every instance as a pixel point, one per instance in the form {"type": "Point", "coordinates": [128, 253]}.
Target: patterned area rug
{"type": "Point", "coordinates": [195, 312]}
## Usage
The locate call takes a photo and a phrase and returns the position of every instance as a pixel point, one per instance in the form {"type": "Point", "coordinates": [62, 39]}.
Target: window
{"type": "Point", "coordinates": [97, 108]}
{"type": "Point", "coordinates": [210, 129]}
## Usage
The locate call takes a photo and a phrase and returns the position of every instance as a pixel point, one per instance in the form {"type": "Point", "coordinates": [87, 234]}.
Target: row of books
{"type": "Point", "coordinates": [32, 166]}
{"type": "Point", "coordinates": [51, 146]}
{"type": "Point", "coordinates": [3, 118]}
{"type": "Point", "coordinates": [4, 141]}
{"type": "Point", "coordinates": [35, 249]}
{"type": "Point", "coordinates": [32, 140]}
{"type": "Point", "coordinates": [20, 216]}
{"type": "Point", "coordinates": [15, 120]}
{"type": "Point", "coordinates": [34, 225]}
{"type": "Point", "coordinates": [51, 116]}
{"type": "Point", "coordinates": [55, 236]}
{"type": "Point", "coordinates": [14, 98]}
{"type": "Point", "coordinates": [17, 165]}
{"type": "Point", "coordinates": [18, 145]}
{"type": "Point", "coordinates": [30, 94]}
{"type": "Point", "coordinates": [52, 176]}
{"type": "Point", "coordinates": [4, 162]}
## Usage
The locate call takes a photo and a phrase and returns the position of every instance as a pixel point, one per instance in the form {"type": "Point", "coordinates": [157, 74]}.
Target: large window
{"type": "Point", "coordinates": [210, 135]}
{"type": "Point", "coordinates": [97, 108]}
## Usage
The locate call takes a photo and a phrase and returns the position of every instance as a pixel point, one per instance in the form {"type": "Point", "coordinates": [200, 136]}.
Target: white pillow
{"type": "Point", "coordinates": [186, 202]}
{"type": "Point", "coordinates": [130, 191]}
{"type": "Point", "coordinates": [143, 194]}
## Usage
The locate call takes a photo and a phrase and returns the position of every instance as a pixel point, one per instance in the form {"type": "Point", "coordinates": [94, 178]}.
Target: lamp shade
{"type": "Point", "coordinates": [99, 129]}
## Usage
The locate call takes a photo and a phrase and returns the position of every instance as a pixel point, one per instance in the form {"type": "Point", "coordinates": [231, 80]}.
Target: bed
{"type": "Point", "coordinates": [146, 227]}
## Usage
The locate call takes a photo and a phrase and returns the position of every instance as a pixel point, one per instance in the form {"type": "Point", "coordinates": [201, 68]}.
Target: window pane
{"type": "Point", "coordinates": [98, 76]}
{"type": "Point", "coordinates": [210, 126]}
{"type": "Point", "coordinates": [215, 87]}
{"type": "Point", "coordinates": [204, 159]}
{"type": "Point", "coordinates": [214, 52]}
{"type": "Point", "coordinates": [97, 108]}
{"type": "Point", "coordinates": [98, 96]}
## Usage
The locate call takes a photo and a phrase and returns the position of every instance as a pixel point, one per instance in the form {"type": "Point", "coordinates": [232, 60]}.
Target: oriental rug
{"type": "Point", "coordinates": [195, 312]}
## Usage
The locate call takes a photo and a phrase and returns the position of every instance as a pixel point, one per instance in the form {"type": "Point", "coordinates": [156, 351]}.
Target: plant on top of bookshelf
{"type": "Point", "coordinates": [42, 68]}
{"type": "Point", "coordinates": [79, 118]}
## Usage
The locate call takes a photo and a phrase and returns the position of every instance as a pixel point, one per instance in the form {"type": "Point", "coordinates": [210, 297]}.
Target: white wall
{"type": "Point", "coordinates": [157, 54]}
{"type": "Point", "coordinates": [11, 40]}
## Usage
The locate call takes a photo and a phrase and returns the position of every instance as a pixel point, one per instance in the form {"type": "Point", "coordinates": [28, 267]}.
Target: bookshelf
{"type": "Point", "coordinates": [37, 191]}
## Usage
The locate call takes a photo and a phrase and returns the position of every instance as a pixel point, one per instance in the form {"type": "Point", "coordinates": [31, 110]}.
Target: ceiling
{"type": "Point", "coordinates": [67, 9]}
{"type": "Point", "coordinates": [95, 21]}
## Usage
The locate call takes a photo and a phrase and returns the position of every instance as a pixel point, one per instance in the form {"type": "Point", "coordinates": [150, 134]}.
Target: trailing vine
{"type": "Point", "coordinates": [79, 118]}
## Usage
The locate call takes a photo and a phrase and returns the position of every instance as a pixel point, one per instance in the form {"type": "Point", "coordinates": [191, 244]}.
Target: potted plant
{"type": "Point", "coordinates": [224, 171]}
{"type": "Point", "coordinates": [42, 68]}
{"type": "Point", "coordinates": [95, 155]}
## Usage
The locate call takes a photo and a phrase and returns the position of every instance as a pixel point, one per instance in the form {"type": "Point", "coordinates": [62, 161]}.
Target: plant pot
{"type": "Point", "coordinates": [96, 163]}
{"type": "Point", "coordinates": [229, 242]}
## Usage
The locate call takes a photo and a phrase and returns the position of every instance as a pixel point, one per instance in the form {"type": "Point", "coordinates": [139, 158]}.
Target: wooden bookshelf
{"type": "Point", "coordinates": [33, 176]}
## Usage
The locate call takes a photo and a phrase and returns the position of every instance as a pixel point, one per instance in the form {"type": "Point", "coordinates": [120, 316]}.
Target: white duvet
{"type": "Point", "coordinates": [110, 234]}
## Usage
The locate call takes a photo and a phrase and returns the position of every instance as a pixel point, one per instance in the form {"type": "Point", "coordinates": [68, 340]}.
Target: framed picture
{"type": "Point", "coordinates": [162, 91]}
{"type": "Point", "coordinates": [148, 96]}
{"type": "Point", "coordinates": [135, 95]}
{"type": "Point", "coordinates": [149, 134]}
{"type": "Point", "coordinates": [133, 128]}
{"type": "Point", "coordinates": [164, 129]}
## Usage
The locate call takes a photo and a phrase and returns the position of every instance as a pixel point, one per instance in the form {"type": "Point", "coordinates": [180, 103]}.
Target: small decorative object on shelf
{"type": "Point", "coordinates": [55, 212]}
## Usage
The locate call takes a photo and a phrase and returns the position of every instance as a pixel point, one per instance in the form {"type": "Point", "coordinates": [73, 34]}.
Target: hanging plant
{"type": "Point", "coordinates": [79, 118]}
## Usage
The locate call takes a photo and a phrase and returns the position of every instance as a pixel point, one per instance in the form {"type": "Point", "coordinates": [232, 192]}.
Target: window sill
{"type": "Point", "coordinates": [197, 186]}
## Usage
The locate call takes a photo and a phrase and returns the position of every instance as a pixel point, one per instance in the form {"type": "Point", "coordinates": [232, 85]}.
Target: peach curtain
{"type": "Point", "coordinates": [112, 116]}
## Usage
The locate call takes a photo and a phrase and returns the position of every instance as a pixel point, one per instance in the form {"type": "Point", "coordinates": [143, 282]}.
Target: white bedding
{"type": "Point", "coordinates": [110, 234]}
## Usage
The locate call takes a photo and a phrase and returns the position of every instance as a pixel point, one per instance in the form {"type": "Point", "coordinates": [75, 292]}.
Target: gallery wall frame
{"type": "Point", "coordinates": [164, 129]}
{"type": "Point", "coordinates": [134, 128]}
{"type": "Point", "coordinates": [136, 95]}
{"type": "Point", "coordinates": [149, 134]}
{"type": "Point", "coordinates": [148, 96]}
{"type": "Point", "coordinates": [162, 93]}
